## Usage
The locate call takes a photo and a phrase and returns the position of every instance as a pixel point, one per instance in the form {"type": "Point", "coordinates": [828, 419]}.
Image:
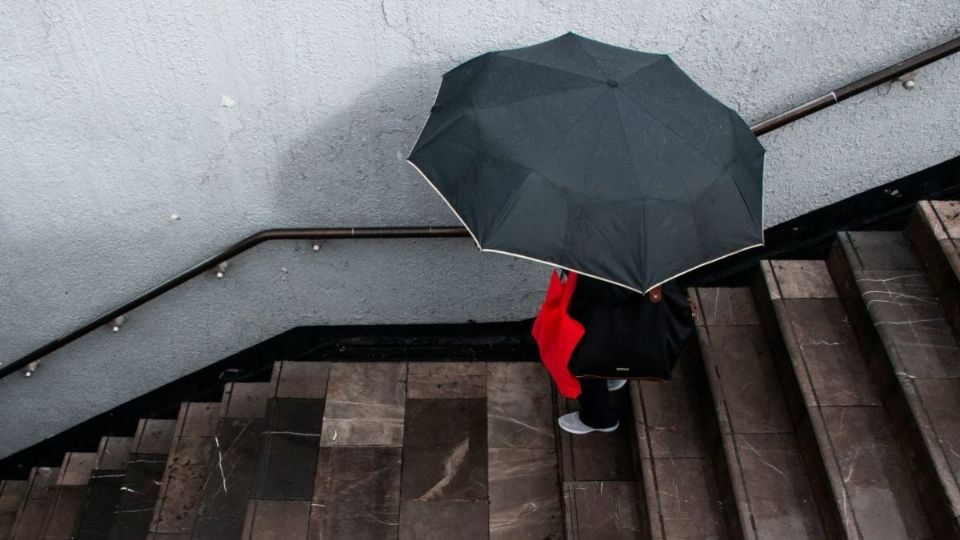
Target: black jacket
{"type": "Point", "coordinates": [627, 335]}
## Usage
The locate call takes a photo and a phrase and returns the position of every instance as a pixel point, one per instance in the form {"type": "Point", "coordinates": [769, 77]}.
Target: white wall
{"type": "Point", "coordinates": [240, 116]}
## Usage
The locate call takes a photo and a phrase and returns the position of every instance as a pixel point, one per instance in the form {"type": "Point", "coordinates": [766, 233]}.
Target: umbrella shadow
{"type": "Point", "coordinates": [350, 170]}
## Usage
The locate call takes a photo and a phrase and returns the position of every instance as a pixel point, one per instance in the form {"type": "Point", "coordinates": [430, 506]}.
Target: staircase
{"type": "Point", "coordinates": [821, 402]}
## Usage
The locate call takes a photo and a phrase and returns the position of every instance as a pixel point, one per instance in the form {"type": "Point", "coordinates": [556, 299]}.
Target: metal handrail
{"type": "Point", "coordinates": [831, 98]}
{"type": "Point", "coordinates": [228, 253]}
{"type": "Point", "coordinates": [847, 91]}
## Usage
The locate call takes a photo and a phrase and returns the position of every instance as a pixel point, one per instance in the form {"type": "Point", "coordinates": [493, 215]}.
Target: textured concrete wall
{"type": "Point", "coordinates": [243, 116]}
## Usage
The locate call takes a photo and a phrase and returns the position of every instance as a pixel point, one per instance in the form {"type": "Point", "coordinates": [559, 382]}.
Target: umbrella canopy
{"type": "Point", "coordinates": [606, 161]}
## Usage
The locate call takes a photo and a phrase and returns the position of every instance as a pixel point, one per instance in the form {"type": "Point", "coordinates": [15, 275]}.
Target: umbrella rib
{"type": "Point", "coordinates": [626, 140]}
{"type": "Point", "coordinates": [643, 242]}
{"type": "Point", "coordinates": [740, 155]}
{"type": "Point", "coordinates": [503, 54]}
{"type": "Point", "coordinates": [537, 96]}
{"type": "Point", "coordinates": [421, 144]}
{"type": "Point", "coordinates": [577, 120]}
{"type": "Point", "coordinates": [592, 59]}
{"type": "Point", "coordinates": [674, 97]}
{"type": "Point", "coordinates": [686, 187]}
{"type": "Point", "coordinates": [671, 130]}
{"type": "Point", "coordinates": [511, 202]}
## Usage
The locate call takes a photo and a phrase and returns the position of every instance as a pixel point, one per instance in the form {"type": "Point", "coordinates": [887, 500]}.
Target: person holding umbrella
{"type": "Point", "coordinates": [625, 333]}
{"type": "Point", "coordinates": [610, 163]}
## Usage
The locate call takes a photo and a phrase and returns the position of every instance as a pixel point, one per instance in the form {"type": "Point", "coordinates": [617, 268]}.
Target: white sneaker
{"type": "Point", "coordinates": [615, 384]}
{"type": "Point", "coordinates": [571, 423]}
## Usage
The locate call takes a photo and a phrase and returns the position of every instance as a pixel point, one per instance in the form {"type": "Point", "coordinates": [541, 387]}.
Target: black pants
{"type": "Point", "coordinates": [596, 408]}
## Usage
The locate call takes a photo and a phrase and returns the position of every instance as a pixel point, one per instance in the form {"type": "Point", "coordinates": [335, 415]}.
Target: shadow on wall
{"type": "Point", "coordinates": [352, 170]}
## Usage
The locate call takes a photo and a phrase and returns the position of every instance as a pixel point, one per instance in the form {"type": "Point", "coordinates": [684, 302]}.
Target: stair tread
{"type": "Point", "coordinates": [365, 404]}
{"type": "Point", "coordinates": [187, 468]}
{"type": "Point", "coordinates": [921, 353]}
{"type": "Point", "coordinates": [337, 509]}
{"type": "Point", "coordinates": [223, 502]}
{"type": "Point", "coordinates": [154, 436]}
{"type": "Point", "coordinates": [301, 379]}
{"type": "Point", "coordinates": [12, 493]}
{"type": "Point", "coordinates": [140, 489]}
{"type": "Point", "coordinates": [251, 445]}
{"type": "Point", "coordinates": [246, 400]}
{"type": "Point", "coordinates": [769, 483]}
{"type": "Point", "coordinates": [934, 231]}
{"type": "Point", "coordinates": [76, 468]}
{"type": "Point", "coordinates": [64, 512]}
{"type": "Point", "coordinates": [36, 502]}
{"type": "Point", "coordinates": [681, 494]}
{"type": "Point", "coordinates": [602, 509]}
{"type": "Point", "coordinates": [100, 501]}
{"type": "Point", "coordinates": [948, 214]}
{"type": "Point", "coordinates": [872, 486]}
{"type": "Point", "coordinates": [113, 453]}
{"type": "Point", "coordinates": [525, 498]}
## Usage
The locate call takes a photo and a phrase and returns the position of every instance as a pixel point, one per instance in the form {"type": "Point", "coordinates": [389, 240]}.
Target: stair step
{"type": "Point", "coordinates": [186, 470]}
{"type": "Point", "coordinates": [601, 509]}
{"type": "Point", "coordinates": [12, 494]}
{"type": "Point", "coordinates": [36, 503]}
{"type": "Point", "coordinates": [245, 400]}
{"type": "Point", "coordinates": [680, 493]}
{"type": "Point", "coordinates": [140, 488]}
{"type": "Point", "coordinates": [76, 468]}
{"type": "Point", "coordinates": [913, 349]}
{"type": "Point", "coordinates": [103, 488]}
{"type": "Point", "coordinates": [768, 490]}
{"type": "Point", "coordinates": [113, 453]}
{"type": "Point", "coordinates": [291, 441]}
{"type": "Point", "coordinates": [873, 491]}
{"type": "Point", "coordinates": [69, 495]}
{"type": "Point", "coordinates": [154, 436]}
{"type": "Point", "coordinates": [525, 499]}
{"type": "Point", "coordinates": [934, 231]}
{"type": "Point", "coordinates": [242, 442]}
{"type": "Point", "coordinates": [600, 484]}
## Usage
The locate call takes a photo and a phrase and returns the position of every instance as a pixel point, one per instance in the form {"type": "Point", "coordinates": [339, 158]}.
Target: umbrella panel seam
{"type": "Point", "coordinates": [670, 129]}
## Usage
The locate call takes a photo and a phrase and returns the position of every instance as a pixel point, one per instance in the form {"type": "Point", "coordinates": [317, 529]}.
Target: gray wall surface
{"type": "Point", "coordinates": [243, 116]}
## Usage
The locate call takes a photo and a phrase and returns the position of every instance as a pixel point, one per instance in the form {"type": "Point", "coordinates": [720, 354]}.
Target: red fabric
{"type": "Point", "coordinates": [557, 334]}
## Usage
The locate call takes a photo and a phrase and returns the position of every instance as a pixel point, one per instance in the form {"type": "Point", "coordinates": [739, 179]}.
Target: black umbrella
{"type": "Point", "coordinates": [606, 161]}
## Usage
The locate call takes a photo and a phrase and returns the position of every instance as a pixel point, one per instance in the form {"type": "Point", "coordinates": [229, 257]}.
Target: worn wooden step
{"type": "Point", "coordinates": [41, 487]}
{"type": "Point", "coordinates": [236, 443]}
{"type": "Point", "coordinates": [251, 448]}
{"type": "Point", "coordinates": [363, 436]}
{"type": "Point", "coordinates": [69, 495]}
{"type": "Point", "coordinates": [768, 488]}
{"type": "Point", "coordinates": [601, 490]}
{"type": "Point", "coordinates": [524, 494]}
{"type": "Point", "coordinates": [141, 484]}
{"type": "Point", "coordinates": [286, 465]}
{"type": "Point", "coordinates": [186, 470]}
{"type": "Point", "coordinates": [913, 351]}
{"type": "Point", "coordinates": [680, 496]}
{"type": "Point", "coordinates": [934, 231]}
{"type": "Point", "coordinates": [874, 493]}
{"type": "Point", "coordinates": [103, 488]}
{"type": "Point", "coordinates": [12, 495]}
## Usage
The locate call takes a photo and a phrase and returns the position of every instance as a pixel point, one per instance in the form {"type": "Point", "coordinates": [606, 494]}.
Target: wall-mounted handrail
{"type": "Point", "coordinates": [228, 253]}
{"type": "Point", "coordinates": [846, 91]}
{"type": "Point", "coordinates": [831, 98]}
